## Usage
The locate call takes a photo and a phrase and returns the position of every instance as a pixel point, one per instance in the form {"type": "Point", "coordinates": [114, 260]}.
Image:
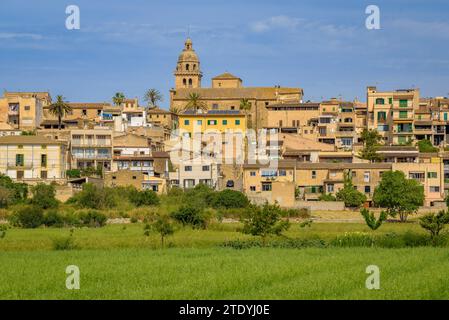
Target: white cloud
{"type": "Point", "coordinates": [12, 35]}
{"type": "Point", "coordinates": [276, 22]}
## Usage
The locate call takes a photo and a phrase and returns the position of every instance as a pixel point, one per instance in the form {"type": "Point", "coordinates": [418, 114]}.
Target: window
{"type": "Point", "coordinates": [266, 186]}
{"type": "Point", "coordinates": [186, 122]}
{"type": "Point", "coordinates": [366, 176]}
{"type": "Point", "coordinates": [232, 108]}
{"type": "Point", "coordinates": [269, 173]}
{"type": "Point", "coordinates": [313, 174]}
{"type": "Point", "coordinates": [380, 101]}
{"type": "Point", "coordinates": [224, 122]}
{"type": "Point", "coordinates": [199, 122]}
{"type": "Point", "coordinates": [432, 175]}
{"type": "Point", "coordinates": [367, 189]}
{"type": "Point", "coordinates": [445, 116]}
{"type": "Point", "coordinates": [43, 174]}
{"type": "Point", "coordinates": [330, 188]}
{"type": "Point", "coordinates": [19, 174]}
{"type": "Point", "coordinates": [282, 173]}
{"type": "Point", "coordinates": [252, 173]}
{"type": "Point", "coordinates": [188, 168]}
{"type": "Point", "coordinates": [190, 82]}
{"type": "Point", "coordinates": [84, 112]}
{"type": "Point", "coordinates": [20, 160]}
{"type": "Point", "coordinates": [252, 188]}
{"type": "Point", "coordinates": [381, 116]}
{"type": "Point", "coordinates": [382, 127]}
{"type": "Point", "coordinates": [403, 114]}
{"type": "Point", "coordinates": [206, 168]}
{"type": "Point", "coordinates": [212, 122]}
{"type": "Point", "coordinates": [98, 112]}
{"type": "Point", "coordinates": [215, 106]}
{"type": "Point", "coordinates": [134, 177]}
{"type": "Point", "coordinates": [43, 160]}
{"type": "Point", "coordinates": [346, 142]}
{"type": "Point", "coordinates": [434, 189]}
{"type": "Point", "coordinates": [237, 122]}
{"type": "Point", "coordinates": [390, 100]}
{"type": "Point", "coordinates": [114, 177]}
{"type": "Point", "coordinates": [403, 103]}
{"type": "Point", "coordinates": [27, 108]}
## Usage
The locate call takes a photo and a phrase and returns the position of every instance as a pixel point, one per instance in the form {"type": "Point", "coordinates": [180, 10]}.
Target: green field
{"type": "Point", "coordinates": [118, 262]}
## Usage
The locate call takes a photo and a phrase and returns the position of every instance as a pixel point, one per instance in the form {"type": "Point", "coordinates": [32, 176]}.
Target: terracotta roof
{"type": "Point", "coordinates": [226, 76]}
{"type": "Point", "coordinates": [262, 93]}
{"type": "Point", "coordinates": [158, 110]}
{"type": "Point", "coordinates": [28, 140]}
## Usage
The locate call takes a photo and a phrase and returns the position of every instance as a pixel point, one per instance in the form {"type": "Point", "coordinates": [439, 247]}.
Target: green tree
{"type": "Point", "coordinates": [371, 220]}
{"type": "Point", "coordinates": [27, 216]}
{"type": "Point", "coordinates": [434, 223]}
{"type": "Point", "coordinates": [349, 195]}
{"type": "Point", "coordinates": [162, 225]}
{"type": "Point", "coordinates": [229, 199]}
{"type": "Point", "coordinates": [44, 196]}
{"type": "Point", "coordinates": [245, 106]}
{"type": "Point", "coordinates": [143, 198]}
{"type": "Point", "coordinates": [425, 146]}
{"type": "Point", "coordinates": [59, 109]}
{"type": "Point", "coordinates": [398, 195]}
{"type": "Point", "coordinates": [371, 140]}
{"type": "Point", "coordinates": [264, 221]}
{"type": "Point", "coordinates": [195, 103]}
{"type": "Point", "coordinates": [152, 97]}
{"type": "Point", "coordinates": [93, 197]}
{"type": "Point", "coordinates": [6, 197]}
{"type": "Point", "coordinates": [19, 191]}
{"type": "Point", "coordinates": [118, 98]}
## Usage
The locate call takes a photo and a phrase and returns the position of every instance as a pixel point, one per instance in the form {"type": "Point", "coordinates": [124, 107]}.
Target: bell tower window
{"type": "Point", "coordinates": [187, 67]}
{"type": "Point", "coordinates": [184, 82]}
{"type": "Point", "coordinates": [190, 82]}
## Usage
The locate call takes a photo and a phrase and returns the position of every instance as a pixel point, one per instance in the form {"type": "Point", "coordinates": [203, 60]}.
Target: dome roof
{"type": "Point", "coordinates": [188, 54]}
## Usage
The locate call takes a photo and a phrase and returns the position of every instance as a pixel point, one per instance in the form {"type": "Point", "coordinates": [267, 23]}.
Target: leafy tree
{"type": "Point", "coordinates": [191, 215]}
{"type": "Point", "coordinates": [59, 109]}
{"type": "Point", "coordinates": [371, 220]}
{"type": "Point", "coordinates": [6, 197]}
{"type": "Point", "coordinates": [19, 191]}
{"type": "Point", "coordinates": [153, 96]}
{"type": "Point", "coordinates": [162, 225]}
{"type": "Point", "coordinates": [93, 218]}
{"type": "Point", "coordinates": [434, 223]}
{"type": "Point", "coordinates": [264, 221]}
{"type": "Point", "coordinates": [94, 198]}
{"type": "Point", "coordinates": [426, 146]}
{"type": "Point", "coordinates": [327, 197]}
{"type": "Point", "coordinates": [371, 140]}
{"type": "Point", "coordinates": [400, 196]}
{"type": "Point", "coordinates": [201, 196]}
{"type": "Point", "coordinates": [349, 195]}
{"type": "Point", "coordinates": [44, 196]}
{"type": "Point", "coordinates": [229, 199]}
{"type": "Point", "coordinates": [118, 98]}
{"type": "Point", "coordinates": [143, 198]}
{"type": "Point", "coordinates": [195, 103]}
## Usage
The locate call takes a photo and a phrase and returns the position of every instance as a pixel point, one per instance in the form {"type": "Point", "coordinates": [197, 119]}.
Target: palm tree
{"type": "Point", "coordinates": [59, 109]}
{"type": "Point", "coordinates": [118, 98]}
{"type": "Point", "coordinates": [195, 102]}
{"type": "Point", "coordinates": [175, 110]}
{"type": "Point", "coordinates": [245, 106]}
{"type": "Point", "coordinates": [153, 96]}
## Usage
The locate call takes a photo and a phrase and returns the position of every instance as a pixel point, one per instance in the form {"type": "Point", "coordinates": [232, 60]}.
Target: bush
{"type": "Point", "coordinates": [44, 196]}
{"type": "Point", "coordinates": [390, 240]}
{"type": "Point", "coordinates": [229, 199]}
{"type": "Point", "coordinates": [327, 197]}
{"type": "Point", "coordinates": [191, 215]}
{"type": "Point", "coordinates": [92, 218]}
{"type": "Point", "coordinates": [200, 196]}
{"type": "Point", "coordinates": [134, 220]}
{"type": "Point", "coordinates": [175, 192]}
{"type": "Point", "coordinates": [284, 243]}
{"type": "Point", "coordinates": [143, 198]}
{"type": "Point", "coordinates": [73, 173]}
{"type": "Point", "coordinates": [66, 243]}
{"type": "Point", "coordinates": [27, 216]}
{"type": "Point", "coordinates": [302, 213]}
{"type": "Point", "coordinates": [53, 219]}
{"type": "Point", "coordinates": [353, 239]}
{"type": "Point", "coordinates": [425, 146]}
{"type": "Point", "coordinates": [19, 191]}
{"type": "Point", "coordinates": [6, 197]}
{"type": "Point", "coordinates": [93, 197]}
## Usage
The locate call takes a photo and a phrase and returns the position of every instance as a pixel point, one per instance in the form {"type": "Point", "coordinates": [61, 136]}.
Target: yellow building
{"type": "Point", "coordinates": [221, 120]}
{"type": "Point", "coordinates": [33, 159]}
{"type": "Point", "coordinates": [23, 110]}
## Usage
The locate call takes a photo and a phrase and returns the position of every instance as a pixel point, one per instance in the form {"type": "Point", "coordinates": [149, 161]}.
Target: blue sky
{"type": "Point", "coordinates": [130, 46]}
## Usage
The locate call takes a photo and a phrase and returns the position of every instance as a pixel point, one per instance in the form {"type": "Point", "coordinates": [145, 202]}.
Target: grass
{"type": "Point", "coordinates": [217, 273]}
{"type": "Point", "coordinates": [118, 262]}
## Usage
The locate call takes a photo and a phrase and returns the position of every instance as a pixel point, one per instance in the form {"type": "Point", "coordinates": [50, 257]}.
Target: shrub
{"type": "Point", "coordinates": [191, 215]}
{"type": "Point", "coordinates": [229, 199]}
{"type": "Point", "coordinates": [65, 243]}
{"type": "Point", "coordinates": [6, 197]}
{"type": "Point", "coordinates": [353, 239]}
{"type": "Point", "coordinates": [134, 220]}
{"type": "Point", "coordinates": [434, 223]}
{"type": "Point", "coordinates": [92, 218]}
{"type": "Point", "coordinates": [200, 196]}
{"type": "Point", "coordinates": [412, 239]}
{"type": "Point", "coordinates": [175, 192]}
{"type": "Point", "coordinates": [327, 197]}
{"type": "Point", "coordinates": [425, 146]}
{"type": "Point", "coordinates": [93, 197]}
{"type": "Point", "coordinates": [3, 229]}
{"type": "Point", "coordinates": [350, 196]}
{"type": "Point", "coordinates": [371, 220]}
{"type": "Point", "coordinates": [73, 173]}
{"type": "Point", "coordinates": [53, 219]}
{"type": "Point", "coordinates": [19, 191]}
{"type": "Point", "coordinates": [162, 225]}
{"type": "Point", "coordinates": [44, 196]}
{"type": "Point", "coordinates": [302, 213]}
{"type": "Point", "coordinates": [143, 198]}
{"type": "Point", "coordinates": [284, 243]}
{"type": "Point", "coordinates": [390, 240]}
{"type": "Point", "coordinates": [27, 216]}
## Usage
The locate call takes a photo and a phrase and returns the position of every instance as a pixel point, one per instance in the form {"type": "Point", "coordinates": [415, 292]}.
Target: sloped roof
{"type": "Point", "coordinates": [226, 76]}
{"type": "Point", "coordinates": [130, 141]}
{"type": "Point", "coordinates": [262, 93]}
{"type": "Point", "coordinates": [27, 140]}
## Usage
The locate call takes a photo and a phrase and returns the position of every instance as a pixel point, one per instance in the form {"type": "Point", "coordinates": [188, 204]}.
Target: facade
{"type": "Point", "coordinates": [138, 179]}
{"type": "Point", "coordinates": [190, 173]}
{"type": "Point", "coordinates": [33, 159]}
{"type": "Point", "coordinates": [91, 148]}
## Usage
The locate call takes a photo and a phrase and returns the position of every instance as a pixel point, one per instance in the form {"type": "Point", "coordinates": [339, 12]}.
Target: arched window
{"type": "Point", "coordinates": [190, 82]}
{"type": "Point", "coordinates": [194, 67]}
{"type": "Point", "coordinates": [187, 67]}
{"type": "Point", "coordinates": [184, 81]}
